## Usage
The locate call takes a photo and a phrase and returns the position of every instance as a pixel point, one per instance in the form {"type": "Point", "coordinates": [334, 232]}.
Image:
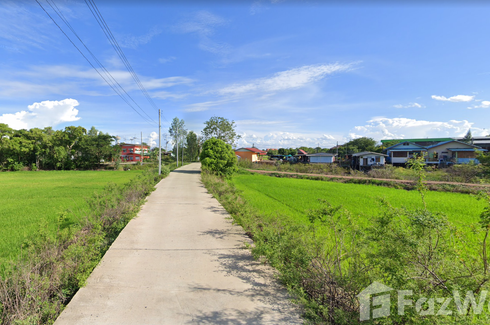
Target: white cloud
{"type": "Point", "coordinates": [256, 122]}
{"type": "Point", "coordinates": [410, 105]}
{"type": "Point", "coordinates": [204, 23]}
{"type": "Point", "coordinates": [152, 139]}
{"type": "Point", "coordinates": [286, 140]}
{"type": "Point", "coordinates": [484, 104]}
{"type": "Point", "coordinates": [133, 42]}
{"type": "Point", "coordinates": [165, 95]}
{"type": "Point", "coordinates": [43, 114]}
{"type": "Point", "coordinates": [388, 128]}
{"type": "Point", "coordinates": [166, 60]}
{"type": "Point", "coordinates": [165, 82]}
{"type": "Point", "coordinates": [289, 79]}
{"type": "Point", "coordinates": [204, 106]}
{"type": "Point", "coordinates": [44, 81]}
{"type": "Point", "coordinates": [454, 99]}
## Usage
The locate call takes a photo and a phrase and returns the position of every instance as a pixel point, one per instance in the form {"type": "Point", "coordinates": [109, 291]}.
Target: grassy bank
{"type": "Point", "coordinates": [32, 198]}
{"type": "Point", "coordinates": [52, 266]}
{"type": "Point", "coordinates": [295, 197]}
{"type": "Point", "coordinates": [475, 174]}
{"type": "Point", "coordinates": [327, 255]}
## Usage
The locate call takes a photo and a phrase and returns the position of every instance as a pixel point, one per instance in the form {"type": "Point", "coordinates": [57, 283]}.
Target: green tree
{"type": "Point", "coordinates": [282, 151]}
{"type": "Point", "coordinates": [359, 145]}
{"type": "Point", "coordinates": [178, 132]}
{"type": "Point", "coordinates": [218, 157]}
{"type": "Point", "coordinates": [96, 147]}
{"type": "Point", "coordinates": [272, 152]}
{"type": "Point", "coordinates": [192, 146]}
{"type": "Point", "coordinates": [222, 129]}
{"type": "Point", "coordinates": [468, 138]}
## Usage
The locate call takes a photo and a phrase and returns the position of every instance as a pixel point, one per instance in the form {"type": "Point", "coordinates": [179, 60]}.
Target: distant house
{"type": "Point", "coordinates": [453, 152]}
{"type": "Point", "coordinates": [365, 159]}
{"type": "Point", "coordinates": [252, 154]}
{"type": "Point", "coordinates": [321, 158]}
{"type": "Point", "coordinates": [482, 142]}
{"type": "Point", "coordinates": [401, 152]}
{"type": "Point", "coordinates": [302, 156]}
{"type": "Point", "coordinates": [442, 153]}
{"type": "Point", "coordinates": [134, 152]}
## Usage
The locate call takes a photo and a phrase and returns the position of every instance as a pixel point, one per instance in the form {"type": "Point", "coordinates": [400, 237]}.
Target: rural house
{"type": "Point", "coordinates": [452, 152]}
{"type": "Point", "coordinates": [321, 158]}
{"type": "Point", "coordinates": [441, 154]}
{"type": "Point", "coordinates": [401, 152]}
{"type": "Point", "coordinates": [367, 159]}
{"type": "Point", "coordinates": [133, 152]}
{"type": "Point", "coordinates": [252, 154]}
{"type": "Point", "coordinates": [302, 156]}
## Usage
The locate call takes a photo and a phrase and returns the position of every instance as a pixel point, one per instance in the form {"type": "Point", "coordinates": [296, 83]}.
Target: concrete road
{"type": "Point", "coordinates": [181, 261]}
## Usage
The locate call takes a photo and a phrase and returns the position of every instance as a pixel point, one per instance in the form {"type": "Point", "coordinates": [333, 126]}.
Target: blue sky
{"type": "Point", "coordinates": [289, 73]}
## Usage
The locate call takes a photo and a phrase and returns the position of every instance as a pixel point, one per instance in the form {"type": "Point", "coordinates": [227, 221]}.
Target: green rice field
{"type": "Point", "coordinates": [294, 197]}
{"type": "Point", "coordinates": [27, 198]}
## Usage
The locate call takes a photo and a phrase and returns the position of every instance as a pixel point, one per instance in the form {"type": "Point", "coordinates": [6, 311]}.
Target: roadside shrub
{"type": "Point", "coordinates": [218, 157]}
{"type": "Point", "coordinates": [327, 263]}
{"type": "Point", "coordinates": [245, 163]}
{"type": "Point", "coordinates": [467, 173]}
{"type": "Point", "coordinates": [35, 288]}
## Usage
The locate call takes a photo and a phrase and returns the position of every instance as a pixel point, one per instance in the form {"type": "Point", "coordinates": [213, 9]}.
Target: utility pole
{"type": "Point", "coordinates": [141, 150]}
{"type": "Point", "coordinates": [159, 142]}
{"type": "Point", "coordinates": [177, 143]}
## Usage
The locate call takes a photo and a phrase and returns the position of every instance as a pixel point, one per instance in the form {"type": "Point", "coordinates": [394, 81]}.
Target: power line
{"type": "Point", "coordinates": [67, 23]}
{"type": "Point", "coordinates": [100, 74]}
{"type": "Point", "coordinates": [108, 33]}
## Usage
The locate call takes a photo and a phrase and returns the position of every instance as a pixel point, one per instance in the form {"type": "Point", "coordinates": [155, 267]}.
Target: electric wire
{"type": "Point", "coordinates": [60, 14]}
{"type": "Point", "coordinates": [91, 64]}
{"type": "Point", "coordinates": [110, 36]}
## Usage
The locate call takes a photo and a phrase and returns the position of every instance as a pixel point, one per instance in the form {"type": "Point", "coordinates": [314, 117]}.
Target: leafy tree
{"type": "Point", "coordinates": [272, 152]}
{"type": "Point", "coordinates": [192, 146]}
{"type": "Point", "coordinates": [222, 129]}
{"type": "Point", "coordinates": [70, 148]}
{"type": "Point", "coordinates": [177, 131]}
{"type": "Point", "coordinates": [468, 138]}
{"type": "Point", "coordinates": [218, 157]}
{"type": "Point", "coordinates": [95, 147]}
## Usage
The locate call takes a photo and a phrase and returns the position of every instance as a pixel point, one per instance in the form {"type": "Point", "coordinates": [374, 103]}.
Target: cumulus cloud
{"type": "Point", "coordinates": [289, 79]}
{"type": "Point", "coordinates": [387, 128]}
{"type": "Point", "coordinates": [484, 104]}
{"type": "Point", "coordinates": [43, 114]}
{"type": "Point", "coordinates": [286, 140]}
{"type": "Point", "coordinates": [454, 99]}
{"type": "Point", "coordinates": [410, 105]}
{"type": "Point", "coordinates": [152, 139]}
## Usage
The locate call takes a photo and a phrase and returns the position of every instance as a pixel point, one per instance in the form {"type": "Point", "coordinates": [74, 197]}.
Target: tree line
{"type": "Point", "coordinates": [48, 149]}
{"type": "Point", "coordinates": [188, 144]}
{"type": "Point", "coordinates": [353, 146]}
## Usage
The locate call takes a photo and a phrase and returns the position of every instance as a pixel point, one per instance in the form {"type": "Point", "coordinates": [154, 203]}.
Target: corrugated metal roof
{"type": "Point", "coordinates": [365, 153]}
{"type": "Point", "coordinates": [465, 149]}
{"type": "Point", "coordinates": [321, 154]}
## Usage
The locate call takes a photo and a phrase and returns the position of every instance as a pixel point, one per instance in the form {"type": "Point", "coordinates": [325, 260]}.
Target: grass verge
{"type": "Point", "coordinates": [327, 261]}
{"type": "Point", "coordinates": [35, 288]}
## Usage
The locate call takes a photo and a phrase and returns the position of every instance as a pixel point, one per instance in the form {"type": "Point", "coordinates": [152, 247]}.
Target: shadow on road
{"type": "Point", "coordinates": [262, 287]}
{"type": "Point", "coordinates": [183, 171]}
